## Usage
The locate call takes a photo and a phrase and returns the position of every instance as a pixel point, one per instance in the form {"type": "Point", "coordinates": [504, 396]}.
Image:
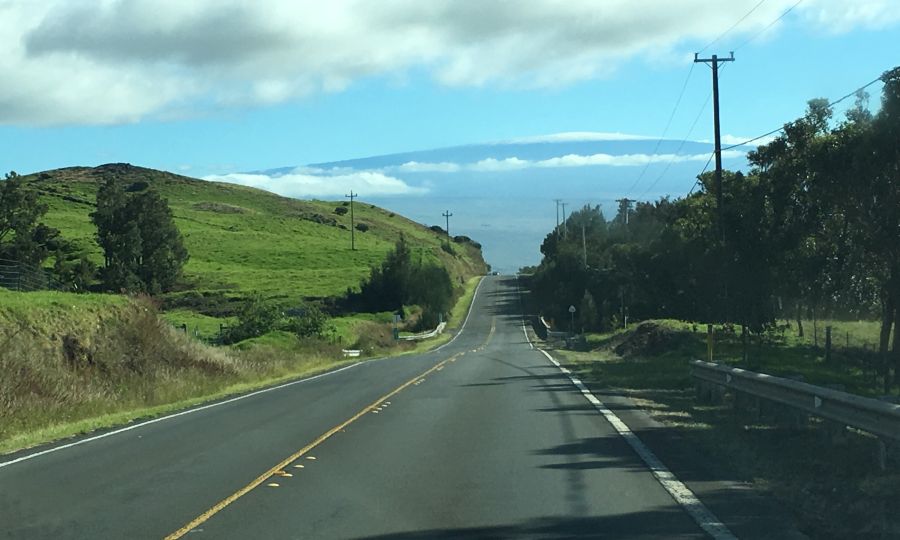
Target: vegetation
{"type": "Point", "coordinates": [810, 231]}
{"type": "Point", "coordinates": [400, 281]}
{"type": "Point", "coordinates": [835, 489]}
{"type": "Point", "coordinates": [142, 248]}
{"type": "Point", "coordinates": [23, 237]}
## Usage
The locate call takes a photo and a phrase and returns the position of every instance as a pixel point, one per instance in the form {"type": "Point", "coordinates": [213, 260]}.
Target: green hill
{"type": "Point", "coordinates": [244, 240]}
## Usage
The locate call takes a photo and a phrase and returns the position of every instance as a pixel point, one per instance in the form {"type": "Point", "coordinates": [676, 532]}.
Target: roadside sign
{"type": "Point", "coordinates": [571, 309]}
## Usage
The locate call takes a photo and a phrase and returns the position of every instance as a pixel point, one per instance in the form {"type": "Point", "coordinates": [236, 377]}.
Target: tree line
{"type": "Point", "coordinates": [812, 229]}
{"type": "Point", "coordinates": [143, 250]}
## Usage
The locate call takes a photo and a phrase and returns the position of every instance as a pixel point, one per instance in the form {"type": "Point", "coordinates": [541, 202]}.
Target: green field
{"type": "Point", "coordinates": [243, 240]}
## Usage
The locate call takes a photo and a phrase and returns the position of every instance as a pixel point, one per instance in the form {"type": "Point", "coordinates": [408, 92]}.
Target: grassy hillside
{"type": "Point", "coordinates": [245, 240]}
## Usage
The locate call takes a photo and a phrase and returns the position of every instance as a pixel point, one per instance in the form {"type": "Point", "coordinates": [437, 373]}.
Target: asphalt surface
{"type": "Point", "coordinates": [494, 442]}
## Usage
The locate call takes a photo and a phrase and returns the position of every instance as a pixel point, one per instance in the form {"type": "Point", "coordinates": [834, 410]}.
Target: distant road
{"type": "Point", "coordinates": [493, 442]}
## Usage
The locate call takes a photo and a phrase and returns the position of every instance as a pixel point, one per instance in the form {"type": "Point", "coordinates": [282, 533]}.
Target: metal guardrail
{"type": "Point", "coordinates": [871, 415]}
{"type": "Point", "coordinates": [425, 335]}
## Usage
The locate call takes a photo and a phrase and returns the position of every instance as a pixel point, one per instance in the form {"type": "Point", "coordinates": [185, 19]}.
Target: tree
{"type": "Point", "coordinates": [143, 249]}
{"type": "Point", "coordinates": [22, 237]}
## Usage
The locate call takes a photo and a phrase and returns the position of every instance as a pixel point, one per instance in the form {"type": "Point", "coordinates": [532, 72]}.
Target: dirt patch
{"type": "Point", "coordinates": [220, 208]}
{"type": "Point", "coordinates": [647, 339]}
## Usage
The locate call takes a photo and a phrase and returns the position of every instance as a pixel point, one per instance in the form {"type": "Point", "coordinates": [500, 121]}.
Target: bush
{"type": "Point", "coordinates": [255, 318]}
{"type": "Point", "coordinates": [311, 322]}
{"type": "Point", "coordinates": [341, 210]}
{"type": "Point", "coordinates": [362, 227]}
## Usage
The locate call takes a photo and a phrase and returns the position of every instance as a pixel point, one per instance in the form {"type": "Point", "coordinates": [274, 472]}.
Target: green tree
{"type": "Point", "coordinates": [23, 238]}
{"type": "Point", "coordinates": [143, 249]}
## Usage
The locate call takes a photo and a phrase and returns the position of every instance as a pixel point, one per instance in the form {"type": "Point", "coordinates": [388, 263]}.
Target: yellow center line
{"type": "Point", "coordinates": [293, 457]}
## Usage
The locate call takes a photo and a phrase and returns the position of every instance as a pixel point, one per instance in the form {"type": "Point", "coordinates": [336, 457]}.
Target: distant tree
{"type": "Point", "coordinates": [22, 237]}
{"type": "Point", "coordinates": [143, 249]}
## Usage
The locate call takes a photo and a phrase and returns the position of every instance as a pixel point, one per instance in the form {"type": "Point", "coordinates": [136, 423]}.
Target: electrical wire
{"type": "Point", "coordinates": [666, 129]}
{"type": "Point", "coordinates": [697, 181]}
{"type": "Point", "coordinates": [733, 26]}
{"type": "Point", "coordinates": [680, 146]}
{"type": "Point", "coordinates": [770, 25]}
{"type": "Point", "coordinates": [832, 104]}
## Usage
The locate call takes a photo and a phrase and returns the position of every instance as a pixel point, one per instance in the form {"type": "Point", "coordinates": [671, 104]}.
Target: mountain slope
{"type": "Point", "coordinates": [243, 240]}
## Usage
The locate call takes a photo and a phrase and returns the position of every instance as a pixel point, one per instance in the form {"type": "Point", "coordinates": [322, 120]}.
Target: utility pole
{"type": "Point", "coordinates": [352, 228]}
{"type": "Point", "coordinates": [714, 63]}
{"type": "Point", "coordinates": [447, 215]}
{"type": "Point", "coordinates": [557, 201]}
{"type": "Point", "coordinates": [565, 226]}
{"type": "Point", "coordinates": [583, 245]}
{"type": "Point", "coordinates": [625, 205]}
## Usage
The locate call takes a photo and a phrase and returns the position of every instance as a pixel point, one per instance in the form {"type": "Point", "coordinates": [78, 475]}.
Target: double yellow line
{"type": "Point", "coordinates": [296, 455]}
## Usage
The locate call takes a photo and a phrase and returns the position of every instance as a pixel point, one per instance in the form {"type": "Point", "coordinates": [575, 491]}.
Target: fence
{"type": "Point", "coordinates": [18, 276]}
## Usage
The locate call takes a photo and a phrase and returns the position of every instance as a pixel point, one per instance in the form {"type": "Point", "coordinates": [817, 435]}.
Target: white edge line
{"type": "Point", "coordinates": [676, 488]}
{"type": "Point", "coordinates": [524, 330]}
{"type": "Point", "coordinates": [218, 403]}
{"type": "Point", "coordinates": [466, 320]}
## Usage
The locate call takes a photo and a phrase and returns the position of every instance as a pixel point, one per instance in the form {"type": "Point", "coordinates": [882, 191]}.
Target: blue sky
{"type": "Point", "coordinates": [82, 94]}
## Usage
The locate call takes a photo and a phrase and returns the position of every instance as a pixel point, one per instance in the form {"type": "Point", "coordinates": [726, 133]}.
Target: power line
{"type": "Point", "coordinates": [665, 130]}
{"type": "Point", "coordinates": [832, 104]}
{"type": "Point", "coordinates": [733, 26]}
{"type": "Point", "coordinates": [697, 181]}
{"type": "Point", "coordinates": [770, 25]}
{"type": "Point", "coordinates": [680, 146]}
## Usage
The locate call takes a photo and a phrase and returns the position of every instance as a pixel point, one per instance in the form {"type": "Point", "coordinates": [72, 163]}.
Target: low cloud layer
{"type": "Point", "coordinates": [305, 183]}
{"type": "Point", "coordinates": [119, 61]}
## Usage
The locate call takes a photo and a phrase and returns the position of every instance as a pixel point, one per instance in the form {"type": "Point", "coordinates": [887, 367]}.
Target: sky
{"type": "Point", "coordinates": [216, 88]}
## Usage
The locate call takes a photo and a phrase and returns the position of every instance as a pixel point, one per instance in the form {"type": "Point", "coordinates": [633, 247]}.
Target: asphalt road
{"type": "Point", "coordinates": [493, 442]}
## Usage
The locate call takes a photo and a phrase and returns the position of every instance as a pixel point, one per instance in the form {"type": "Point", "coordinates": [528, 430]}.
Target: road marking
{"type": "Point", "coordinates": [466, 320]}
{"type": "Point", "coordinates": [676, 488]}
{"type": "Point", "coordinates": [202, 518]}
{"type": "Point", "coordinates": [227, 401]}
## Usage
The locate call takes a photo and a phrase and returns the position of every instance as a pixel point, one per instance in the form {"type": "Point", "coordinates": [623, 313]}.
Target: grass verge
{"type": "Point", "coordinates": [835, 489]}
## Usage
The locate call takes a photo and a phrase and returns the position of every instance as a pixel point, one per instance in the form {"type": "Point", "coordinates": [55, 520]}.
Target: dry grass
{"type": "Point", "coordinates": [88, 364]}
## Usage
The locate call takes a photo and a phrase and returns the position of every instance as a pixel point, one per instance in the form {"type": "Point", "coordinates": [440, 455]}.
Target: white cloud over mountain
{"type": "Point", "coordinates": [118, 61]}
{"type": "Point", "coordinates": [308, 183]}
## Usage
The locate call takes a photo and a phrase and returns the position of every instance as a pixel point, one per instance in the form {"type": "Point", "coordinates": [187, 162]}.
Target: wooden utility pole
{"type": "Point", "coordinates": [557, 201]}
{"type": "Point", "coordinates": [447, 215]}
{"type": "Point", "coordinates": [352, 228]}
{"type": "Point", "coordinates": [714, 63]}
{"type": "Point", "coordinates": [625, 205]}
{"type": "Point", "coordinates": [565, 226]}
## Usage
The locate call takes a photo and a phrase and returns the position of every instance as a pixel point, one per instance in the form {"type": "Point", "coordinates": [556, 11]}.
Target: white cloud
{"type": "Point", "coordinates": [569, 160]}
{"type": "Point", "coordinates": [300, 185]}
{"type": "Point", "coordinates": [420, 167]}
{"type": "Point", "coordinates": [117, 61]}
{"type": "Point", "coordinates": [736, 139]}
{"type": "Point", "coordinates": [492, 164]}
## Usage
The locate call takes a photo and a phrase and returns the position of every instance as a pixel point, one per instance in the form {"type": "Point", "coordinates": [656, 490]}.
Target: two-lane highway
{"type": "Point", "coordinates": [484, 437]}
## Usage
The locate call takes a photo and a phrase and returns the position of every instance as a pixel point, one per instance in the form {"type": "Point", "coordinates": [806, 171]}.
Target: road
{"type": "Point", "coordinates": [494, 441]}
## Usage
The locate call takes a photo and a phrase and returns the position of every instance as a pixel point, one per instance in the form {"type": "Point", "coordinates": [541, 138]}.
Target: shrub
{"type": "Point", "coordinates": [362, 227]}
{"type": "Point", "coordinates": [311, 322]}
{"type": "Point", "coordinates": [341, 210]}
{"type": "Point", "coordinates": [255, 318]}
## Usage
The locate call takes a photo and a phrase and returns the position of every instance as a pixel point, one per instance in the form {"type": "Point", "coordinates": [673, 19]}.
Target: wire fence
{"type": "Point", "coordinates": [23, 277]}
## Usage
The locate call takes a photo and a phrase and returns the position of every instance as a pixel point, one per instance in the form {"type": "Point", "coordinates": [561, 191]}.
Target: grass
{"type": "Point", "coordinates": [244, 240]}
{"type": "Point", "coordinates": [128, 363]}
{"type": "Point", "coordinates": [835, 490]}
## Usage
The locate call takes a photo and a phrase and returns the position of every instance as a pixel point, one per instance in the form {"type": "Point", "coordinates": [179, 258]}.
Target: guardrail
{"type": "Point", "coordinates": [425, 335]}
{"type": "Point", "coordinates": [871, 415]}
{"type": "Point", "coordinates": [351, 353]}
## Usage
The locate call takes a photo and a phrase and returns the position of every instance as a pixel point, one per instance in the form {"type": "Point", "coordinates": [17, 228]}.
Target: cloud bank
{"type": "Point", "coordinates": [309, 183]}
{"type": "Point", "coordinates": [119, 61]}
